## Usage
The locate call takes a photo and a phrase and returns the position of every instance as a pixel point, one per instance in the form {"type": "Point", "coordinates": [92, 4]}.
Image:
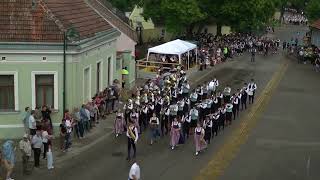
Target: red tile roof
{"type": "Point", "coordinates": [46, 21]}
{"type": "Point", "coordinates": [316, 24]}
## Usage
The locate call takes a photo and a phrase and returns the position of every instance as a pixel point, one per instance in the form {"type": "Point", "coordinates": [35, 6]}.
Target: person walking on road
{"type": "Point", "coordinates": [253, 54]}
{"type": "Point", "coordinates": [119, 123]}
{"type": "Point", "coordinates": [133, 136]}
{"type": "Point", "coordinates": [25, 148]}
{"type": "Point", "coordinates": [175, 133]}
{"type": "Point", "coordinates": [199, 141]}
{"type": "Point", "coordinates": [251, 91]}
{"type": "Point", "coordinates": [154, 126]}
{"type": "Point", "coordinates": [134, 173]}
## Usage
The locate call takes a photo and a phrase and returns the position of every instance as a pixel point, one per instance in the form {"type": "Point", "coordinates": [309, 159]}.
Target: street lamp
{"type": "Point", "coordinates": [68, 34]}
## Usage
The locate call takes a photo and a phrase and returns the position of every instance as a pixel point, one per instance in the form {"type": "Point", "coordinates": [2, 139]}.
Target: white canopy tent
{"type": "Point", "coordinates": [176, 47]}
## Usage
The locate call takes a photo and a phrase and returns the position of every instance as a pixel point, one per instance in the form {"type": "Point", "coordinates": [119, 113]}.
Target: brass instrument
{"type": "Point", "coordinates": [131, 133]}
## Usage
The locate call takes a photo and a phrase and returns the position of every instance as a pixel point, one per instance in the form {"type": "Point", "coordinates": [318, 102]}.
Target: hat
{"type": "Point", "coordinates": [25, 136]}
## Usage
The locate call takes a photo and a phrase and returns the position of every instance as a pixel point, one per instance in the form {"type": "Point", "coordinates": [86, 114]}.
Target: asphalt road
{"type": "Point", "coordinates": [267, 152]}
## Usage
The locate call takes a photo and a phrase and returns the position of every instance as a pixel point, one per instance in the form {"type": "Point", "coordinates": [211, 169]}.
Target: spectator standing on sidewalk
{"type": "Point", "coordinates": [8, 158]}
{"type": "Point", "coordinates": [84, 119]}
{"type": "Point", "coordinates": [63, 132]}
{"type": "Point", "coordinates": [36, 145]}
{"type": "Point", "coordinates": [76, 122]}
{"type": "Point", "coordinates": [68, 125]}
{"type": "Point", "coordinates": [25, 119]}
{"type": "Point", "coordinates": [134, 173]}
{"type": "Point", "coordinates": [25, 148]}
{"type": "Point", "coordinates": [32, 124]}
{"type": "Point", "coordinates": [46, 114]}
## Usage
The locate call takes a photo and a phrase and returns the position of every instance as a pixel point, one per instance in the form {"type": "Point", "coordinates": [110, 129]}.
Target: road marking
{"type": "Point", "coordinates": [221, 159]}
{"type": "Point", "coordinates": [308, 167]}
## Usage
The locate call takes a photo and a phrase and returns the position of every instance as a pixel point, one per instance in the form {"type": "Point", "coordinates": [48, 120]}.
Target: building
{"type": "Point", "coordinates": [117, 19]}
{"type": "Point", "coordinates": [32, 57]}
{"type": "Point", "coordinates": [315, 33]}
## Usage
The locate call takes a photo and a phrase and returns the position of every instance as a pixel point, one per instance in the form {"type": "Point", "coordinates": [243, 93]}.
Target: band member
{"type": "Point", "coordinates": [165, 122]}
{"type": "Point", "coordinates": [159, 103]}
{"type": "Point", "coordinates": [209, 105]}
{"type": "Point", "coordinates": [222, 117]}
{"type": "Point", "coordinates": [220, 97]}
{"type": "Point", "coordinates": [194, 98]}
{"type": "Point", "coordinates": [174, 94]}
{"type": "Point", "coordinates": [133, 136]}
{"type": "Point", "coordinates": [202, 112]}
{"type": "Point", "coordinates": [154, 128]}
{"type": "Point", "coordinates": [186, 89]}
{"type": "Point", "coordinates": [143, 117]}
{"type": "Point", "coordinates": [215, 123]}
{"type": "Point", "coordinates": [207, 125]}
{"type": "Point", "coordinates": [244, 96]}
{"type": "Point", "coordinates": [251, 91]}
{"type": "Point", "coordinates": [215, 103]}
{"type": "Point", "coordinates": [187, 104]}
{"type": "Point", "coordinates": [205, 91]}
{"type": "Point", "coordinates": [119, 123]}
{"type": "Point", "coordinates": [150, 110]}
{"type": "Point", "coordinates": [175, 133]}
{"type": "Point", "coordinates": [226, 94]}
{"type": "Point", "coordinates": [128, 109]}
{"type": "Point", "coordinates": [229, 107]}
{"type": "Point", "coordinates": [173, 111]}
{"type": "Point", "coordinates": [199, 92]}
{"type": "Point", "coordinates": [199, 141]}
{"type": "Point", "coordinates": [181, 105]}
{"type": "Point", "coordinates": [185, 120]}
{"type": "Point", "coordinates": [194, 114]}
{"type": "Point", "coordinates": [240, 98]}
{"type": "Point", "coordinates": [235, 109]}
{"type": "Point", "coordinates": [134, 117]}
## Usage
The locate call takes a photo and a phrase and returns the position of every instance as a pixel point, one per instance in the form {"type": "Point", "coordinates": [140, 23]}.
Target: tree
{"type": "Point", "coordinates": [313, 10]}
{"type": "Point", "coordinates": [124, 5]}
{"type": "Point", "coordinates": [178, 16]}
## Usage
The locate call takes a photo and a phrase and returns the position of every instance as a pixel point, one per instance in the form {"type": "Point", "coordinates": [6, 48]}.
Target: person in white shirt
{"type": "Point", "coordinates": [207, 125]}
{"type": "Point", "coordinates": [134, 173]}
{"type": "Point", "coordinates": [32, 124]}
{"type": "Point", "coordinates": [251, 91]}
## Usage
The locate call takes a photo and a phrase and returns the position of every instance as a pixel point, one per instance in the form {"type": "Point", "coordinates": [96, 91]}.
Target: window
{"type": "Point", "coordinates": [44, 90]}
{"type": "Point", "coordinates": [7, 92]}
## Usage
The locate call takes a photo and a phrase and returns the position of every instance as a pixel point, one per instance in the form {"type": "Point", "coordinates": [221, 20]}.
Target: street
{"type": "Point", "coordinates": [283, 145]}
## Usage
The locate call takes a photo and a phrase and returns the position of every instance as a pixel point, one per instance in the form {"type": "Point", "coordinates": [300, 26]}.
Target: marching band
{"type": "Point", "coordinates": [171, 107]}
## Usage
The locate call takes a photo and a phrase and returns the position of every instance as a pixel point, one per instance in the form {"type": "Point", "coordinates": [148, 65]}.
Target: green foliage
{"type": "Point", "coordinates": [313, 10]}
{"type": "Point", "coordinates": [124, 5]}
{"type": "Point", "coordinates": [177, 15]}
{"type": "Point", "coordinates": [183, 15]}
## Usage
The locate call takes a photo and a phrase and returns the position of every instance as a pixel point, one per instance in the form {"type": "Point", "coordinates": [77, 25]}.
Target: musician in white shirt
{"type": "Point", "coordinates": [251, 91]}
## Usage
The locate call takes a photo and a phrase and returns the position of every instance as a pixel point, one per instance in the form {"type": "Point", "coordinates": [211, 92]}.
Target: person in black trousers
{"type": "Point", "coordinates": [244, 97]}
{"type": "Point", "coordinates": [133, 135]}
{"type": "Point", "coordinates": [37, 144]}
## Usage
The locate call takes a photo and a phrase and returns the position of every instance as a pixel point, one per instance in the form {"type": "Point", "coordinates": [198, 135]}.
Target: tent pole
{"type": "Point", "coordinates": [196, 56]}
{"type": "Point", "coordinates": [188, 60]}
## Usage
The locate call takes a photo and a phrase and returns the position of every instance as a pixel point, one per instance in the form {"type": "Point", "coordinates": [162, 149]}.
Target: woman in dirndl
{"type": "Point", "coordinates": [134, 116]}
{"type": "Point", "coordinates": [199, 141]}
{"type": "Point", "coordinates": [175, 133]}
{"type": "Point", "coordinates": [119, 123]}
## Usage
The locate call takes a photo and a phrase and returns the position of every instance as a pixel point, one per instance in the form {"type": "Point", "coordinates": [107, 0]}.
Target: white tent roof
{"type": "Point", "coordinates": [173, 47]}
